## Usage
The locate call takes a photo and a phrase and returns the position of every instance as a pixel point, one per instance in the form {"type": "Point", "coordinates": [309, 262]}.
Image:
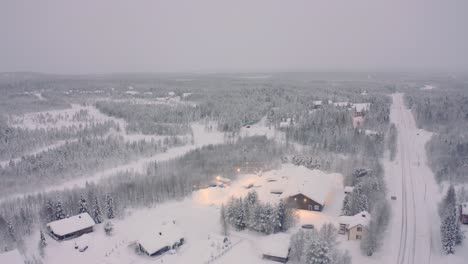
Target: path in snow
{"type": "Point", "coordinates": [414, 228]}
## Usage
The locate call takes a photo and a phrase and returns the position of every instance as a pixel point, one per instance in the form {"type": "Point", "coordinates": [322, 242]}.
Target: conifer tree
{"type": "Point", "coordinates": [97, 214]}
{"type": "Point", "coordinates": [59, 214]}
{"type": "Point", "coordinates": [42, 244]}
{"type": "Point", "coordinates": [109, 207]}
{"type": "Point", "coordinates": [346, 208]}
{"type": "Point", "coordinates": [83, 207]}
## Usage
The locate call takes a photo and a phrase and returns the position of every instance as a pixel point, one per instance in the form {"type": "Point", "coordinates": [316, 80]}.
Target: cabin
{"type": "Point", "coordinates": [275, 247]}
{"type": "Point", "coordinates": [71, 227]}
{"type": "Point", "coordinates": [348, 189]}
{"type": "Point", "coordinates": [11, 257]}
{"type": "Point", "coordinates": [168, 236]}
{"type": "Point", "coordinates": [353, 226]}
{"type": "Point", "coordinates": [308, 190]}
{"type": "Point", "coordinates": [361, 109]}
{"type": "Point", "coordinates": [464, 213]}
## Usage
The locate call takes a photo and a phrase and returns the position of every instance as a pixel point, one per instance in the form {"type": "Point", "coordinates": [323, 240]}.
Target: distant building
{"type": "Point", "coordinates": [71, 227]}
{"type": "Point", "coordinates": [464, 213]}
{"type": "Point", "coordinates": [353, 226]}
{"type": "Point", "coordinates": [165, 237]}
{"type": "Point", "coordinates": [275, 247]}
{"type": "Point", "coordinates": [11, 257]}
{"type": "Point", "coordinates": [361, 109]}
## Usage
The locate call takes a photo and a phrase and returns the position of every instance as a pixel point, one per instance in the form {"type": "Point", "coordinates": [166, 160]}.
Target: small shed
{"type": "Point", "coordinates": [71, 227]}
{"type": "Point", "coordinates": [348, 189]}
{"type": "Point", "coordinates": [275, 247]}
{"type": "Point", "coordinates": [464, 213]}
{"type": "Point", "coordinates": [353, 225]}
{"type": "Point", "coordinates": [164, 238]}
{"type": "Point", "coordinates": [317, 104]}
{"type": "Point", "coordinates": [11, 257]}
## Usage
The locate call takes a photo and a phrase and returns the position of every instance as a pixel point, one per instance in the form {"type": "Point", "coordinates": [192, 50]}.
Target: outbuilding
{"type": "Point", "coordinates": [165, 237]}
{"type": "Point", "coordinates": [71, 227]}
{"type": "Point", "coordinates": [348, 189]}
{"type": "Point", "coordinates": [275, 247]}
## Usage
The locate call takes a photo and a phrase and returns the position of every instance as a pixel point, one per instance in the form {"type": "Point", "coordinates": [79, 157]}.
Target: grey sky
{"type": "Point", "coordinates": [102, 36]}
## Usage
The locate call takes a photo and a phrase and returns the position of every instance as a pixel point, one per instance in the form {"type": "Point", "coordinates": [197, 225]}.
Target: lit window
{"type": "Point", "coordinates": [305, 200]}
{"type": "Point", "coordinates": [295, 199]}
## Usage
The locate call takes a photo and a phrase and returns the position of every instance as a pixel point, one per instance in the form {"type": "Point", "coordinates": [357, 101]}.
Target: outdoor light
{"type": "Point", "coordinates": [305, 200]}
{"type": "Point", "coordinates": [238, 170]}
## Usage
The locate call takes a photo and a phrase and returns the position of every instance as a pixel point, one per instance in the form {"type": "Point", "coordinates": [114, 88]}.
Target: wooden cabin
{"type": "Point", "coordinates": [165, 237]}
{"type": "Point", "coordinates": [71, 227]}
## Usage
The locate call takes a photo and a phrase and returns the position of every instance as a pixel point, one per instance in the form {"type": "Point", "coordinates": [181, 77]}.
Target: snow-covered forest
{"type": "Point", "coordinates": [115, 146]}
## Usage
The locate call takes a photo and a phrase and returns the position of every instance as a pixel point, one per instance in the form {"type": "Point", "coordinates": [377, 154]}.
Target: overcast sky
{"type": "Point", "coordinates": [105, 36]}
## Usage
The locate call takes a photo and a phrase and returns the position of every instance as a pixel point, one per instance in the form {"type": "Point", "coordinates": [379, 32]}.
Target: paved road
{"type": "Point", "coordinates": [415, 225]}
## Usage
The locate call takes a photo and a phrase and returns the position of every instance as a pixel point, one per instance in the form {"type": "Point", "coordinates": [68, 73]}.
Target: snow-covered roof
{"type": "Point", "coordinates": [284, 124]}
{"type": "Point", "coordinates": [314, 184]}
{"type": "Point", "coordinates": [72, 224]}
{"type": "Point", "coordinates": [275, 245]}
{"type": "Point", "coordinates": [464, 208]}
{"type": "Point", "coordinates": [361, 218]}
{"type": "Point", "coordinates": [371, 132]}
{"type": "Point", "coordinates": [361, 107]}
{"type": "Point", "coordinates": [316, 103]}
{"type": "Point", "coordinates": [11, 257]}
{"type": "Point", "coordinates": [186, 94]}
{"type": "Point", "coordinates": [348, 189]}
{"type": "Point", "coordinates": [164, 235]}
{"type": "Point", "coordinates": [131, 92]}
{"type": "Point", "coordinates": [342, 104]}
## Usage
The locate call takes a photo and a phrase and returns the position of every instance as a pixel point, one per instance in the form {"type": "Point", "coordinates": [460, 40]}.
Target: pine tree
{"type": "Point", "coordinates": [59, 214]}
{"type": "Point", "coordinates": [50, 210]}
{"type": "Point", "coordinates": [317, 252]}
{"type": "Point", "coordinates": [109, 207]}
{"type": "Point", "coordinates": [97, 214]}
{"type": "Point", "coordinates": [346, 208]}
{"type": "Point", "coordinates": [83, 207]}
{"type": "Point", "coordinates": [11, 231]}
{"type": "Point", "coordinates": [449, 231]}
{"type": "Point", "coordinates": [224, 225]}
{"type": "Point", "coordinates": [280, 218]}
{"type": "Point", "coordinates": [42, 244]}
{"type": "Point", "coordinates": [240, 217]}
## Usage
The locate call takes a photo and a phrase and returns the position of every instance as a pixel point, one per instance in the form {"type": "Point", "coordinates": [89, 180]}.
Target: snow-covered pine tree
{"type": "Point", "coordinates": [59, 214]}
{"type": "Point", "coordinates": [328, 234]}
{"type": "Point", "coordinates": [240, 221]}
{"type": "Point", "coordinates": [448, 231]}
{"type": "Point", "coordinates": [268, 217]}
{"type": "Point", "coordinates": [252, 198]}
{"type": "Point", "coordinates": [42, 244]}
{"type": "Point", "coordinates": [97, 214]}
{"type": "Point", "coordinates": [316, 252]}
{"type": "Point", "coordinates": [223, 220]}
{"type": "Point", "coordinates": [83, 207]}
{"type": "Point", "coordinates": [109, 207]}
{"type": "Point", "coordinates": [11, 231]}
{"type": "Point", "coordinates": [280, 218]}
{"type": "Point", "coordinates": [50, 210]}
{"type": "Point", "coordinates": [346, 208]}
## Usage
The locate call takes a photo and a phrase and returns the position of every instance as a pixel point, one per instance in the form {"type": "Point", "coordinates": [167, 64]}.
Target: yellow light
{"type": "Point", "coordinates": [295, 199]}
{"type": "Point", "coordinates": [305, 200]}
{"type": "Point", "coordinates": [218, 178]}
{"type": "Point", "coordinates": [238, 170]}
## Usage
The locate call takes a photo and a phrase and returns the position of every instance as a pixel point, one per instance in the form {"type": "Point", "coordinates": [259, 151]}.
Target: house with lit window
{"type": "Point", "coordinates": [308, 189]}
{"type": "Point", "coordinates": [353, 226]}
